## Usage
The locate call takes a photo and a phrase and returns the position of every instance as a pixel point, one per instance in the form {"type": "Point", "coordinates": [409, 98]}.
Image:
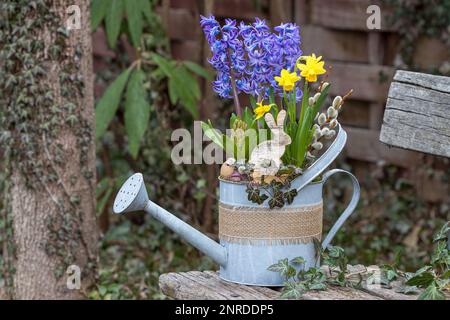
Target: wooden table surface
{"type": "Point", "coordinates": [206, 285]}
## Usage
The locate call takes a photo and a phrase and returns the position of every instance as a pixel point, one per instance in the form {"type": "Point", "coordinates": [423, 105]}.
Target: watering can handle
{"type": "Point", "coordinates": [350, 208]}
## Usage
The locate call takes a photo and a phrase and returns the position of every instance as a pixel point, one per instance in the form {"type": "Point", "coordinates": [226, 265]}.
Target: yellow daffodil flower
{"type": "Point", "coordinates": [287, 79]}
{"type": "Point", "coordinates": [312, 67]}
{"type": "Point", "coordinates": [261, 110]}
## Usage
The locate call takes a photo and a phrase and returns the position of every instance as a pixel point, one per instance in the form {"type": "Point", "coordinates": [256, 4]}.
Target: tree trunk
{"type": "Point", "coordinates": [51, 198]}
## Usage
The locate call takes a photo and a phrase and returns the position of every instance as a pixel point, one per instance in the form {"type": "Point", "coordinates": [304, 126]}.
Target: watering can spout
{"type": "Point", "coordinates": [133, 196]}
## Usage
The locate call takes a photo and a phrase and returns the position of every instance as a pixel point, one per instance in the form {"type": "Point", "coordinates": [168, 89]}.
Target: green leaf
{"type": "Point", "coordinates": [135, 23]}
{"type": "Point", "coordinates": [281, 266]}
{"type": "Point", "coordinates": [318, 286]}
{"type": "Point", "coordinates": [98, 12]}
{"type": "Point", "coordinates": [213, 134]}
{"type": "Point", "coordinates": [137, 111]}
{"type": "Point", "coordinates": [335, 252]}
{"type": "Point", "coordinates": [108, 104]}
{"type": "Point", "coordinates": [421, 280]}
{"type": "Point", "coordinates": [290, 195]}
{"type": "Point", "coordinates": [292, 290]}
{"type": "Point", "coordinates": [164, 64]}
{"type": "Point", "coordinates": [298, 260]}
{"type": "Point", "coordinates": [432, 292]}
{"type": "Point", "coordinates": [197, 69]}
{"type": "Point", "coordinates": [277, 200]}
{"type": "Point", "coordinates": [443, 232]}
{"type": "Point", "coordinates": [113, 21]}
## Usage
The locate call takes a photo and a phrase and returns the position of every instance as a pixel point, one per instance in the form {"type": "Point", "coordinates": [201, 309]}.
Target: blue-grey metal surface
{"type": "Point", "coordinates": [203, 243]}
{"type": "Point", "coordinates": [350, 208]}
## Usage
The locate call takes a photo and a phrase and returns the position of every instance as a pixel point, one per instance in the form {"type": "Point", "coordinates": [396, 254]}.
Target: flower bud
{"type": "Point", "coordinates": [316, 97]}
{"type": "Point", "coordinates": [311, 101]}
{"type": "Point", "coordinates": [324, 131]}
{"type": "Point", "coordinates": [322, 118]}
{"type": "Point", "coordinates": [332, 112]}
{"type": "Point", "coordinates": [316, 127]}
{"type": "Point", "coordinates": [333, 123]}
{"type": "Point", "coordinates": [317, 134]}
{"type": "Point", "coordinates": [317, 146]}
{"type": "Point", "coordinates": [324, 86]}
{"type": "Point", "coordinates": [330, 134]}
{"type": "Point", "coordinates": [337, 102]}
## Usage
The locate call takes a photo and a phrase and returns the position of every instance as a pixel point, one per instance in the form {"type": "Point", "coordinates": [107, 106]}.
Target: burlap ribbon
{"type": "Point", "coordinates": [263, 226]}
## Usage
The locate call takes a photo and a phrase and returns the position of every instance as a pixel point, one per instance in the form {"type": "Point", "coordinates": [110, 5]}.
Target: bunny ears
{"type": "Point", "coordinates": [271, 121]}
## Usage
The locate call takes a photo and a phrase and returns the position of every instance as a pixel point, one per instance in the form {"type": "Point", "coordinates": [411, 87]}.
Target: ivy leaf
{"type": "Point", "coordinates": [98, 12]}
{"type": "Point", "coordinates": [335, 251]}
{"type": "Point", "coordinates": [298, 260]}
{"type": "Point", "coordinates": [318, 286]}
{"type": "Point", "coordinates": [292, 290]}
{"type": "Point", "coordinates": [108, 104]}
{"type": "Point", "coordinates": [277, 200]}
{"type": "Point", "coordinates": [421, 280]}
{"type": "Point", "coordinates": [443, 233]}
{"type": "Point", "coordinates": [135, 23]}
{"type": "Point", "coordinates": [113, 21]}
{"type": "Point", "coordinates": [290, 195]}
{"type": "Point", "coordinates": [279, 266]}
{"type": "Point", "coordinates": [432, 292]}
{"type": "Point", "coordinates": [197, 69]}
{"type": "Point", "coordinates": [254, 195]}
{"type": "Point", "coordinates": [137, 111]}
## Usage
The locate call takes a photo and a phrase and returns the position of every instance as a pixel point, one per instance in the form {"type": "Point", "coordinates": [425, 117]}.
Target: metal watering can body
{"type": "Point", "coordinates": [243, 261]}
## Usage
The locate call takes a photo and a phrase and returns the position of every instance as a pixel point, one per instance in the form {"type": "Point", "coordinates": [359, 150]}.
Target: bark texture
{"type": "Point", "coordinates": [70, 159]}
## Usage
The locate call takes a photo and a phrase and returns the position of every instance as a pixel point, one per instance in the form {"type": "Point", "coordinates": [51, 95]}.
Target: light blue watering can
{"type": "Point", "coordinates": [253, 237]}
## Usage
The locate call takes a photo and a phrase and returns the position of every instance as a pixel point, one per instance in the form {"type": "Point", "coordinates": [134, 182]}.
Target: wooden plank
{"type": "Point", "coordinates": [238, 9]}
{"type": "Point", "coordinates": [370, 83]}
{"type": "Point", "coordinates": [335, 45]}
{"type": "Point", "coordinates": [417, 113]}
{"type": "Point", "coordinates": [280, 11]}
{"type": "Point", "coordinates": [207, 285]}
{"type": "Point", "coordinates": [186, 50]}
{"type": "Point", "coordinates": [345, 14]}
{"type": "Point", "coordinates": [301, 12]}
{"type": "Point", "coordinates": [363, 144]}
{"type": "Point", "coordinates": [355, 113]}
{"type": "Point", "coordinates": [182, 24]}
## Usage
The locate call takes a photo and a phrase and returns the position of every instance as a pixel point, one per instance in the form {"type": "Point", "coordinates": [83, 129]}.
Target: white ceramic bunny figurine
{"type": "Point", "coordinates": [266, 157]}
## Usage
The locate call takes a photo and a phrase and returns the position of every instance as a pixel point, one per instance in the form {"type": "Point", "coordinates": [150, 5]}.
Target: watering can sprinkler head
{"type": "Point", "coordinates": [132, 196]}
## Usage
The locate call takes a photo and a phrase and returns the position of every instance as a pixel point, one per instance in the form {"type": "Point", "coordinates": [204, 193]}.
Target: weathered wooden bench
{"type": "Point", "coordinates": [417, 117]}
{"type": "Point", "coordinates": [207, 285]}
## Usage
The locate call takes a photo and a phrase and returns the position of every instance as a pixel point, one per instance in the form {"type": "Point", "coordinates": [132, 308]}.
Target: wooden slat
{"type": "Point", "coordinates": [182, 24]}
{"type": "Point", "coordinates": [207, 285]}
{"type": "Point", "coordinates": [370, 83]}
{"type": "Point", "coordinates": [186, 50]}
{"type": "Point", "coordinates": [417, 113]}
{"type": "Point", "coordinates": [281, 12]}
{"type": "Point", "coordinates": [345, 14]}
{"type": "Point", "coordinates": [240, 9]}
{"type": "Point", "coordinates": [336, 45]}
{"type": "Point", "coordinates": [363, 144]}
